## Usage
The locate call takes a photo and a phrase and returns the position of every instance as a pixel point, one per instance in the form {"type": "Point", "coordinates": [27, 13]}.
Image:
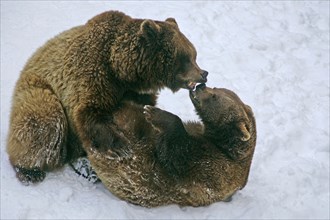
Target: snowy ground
{"type": "Point", "coordinates": [275, 55]}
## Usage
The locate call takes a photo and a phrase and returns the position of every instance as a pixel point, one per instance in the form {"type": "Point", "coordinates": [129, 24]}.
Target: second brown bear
{"type": "Point", "coordinates": [189, 164]}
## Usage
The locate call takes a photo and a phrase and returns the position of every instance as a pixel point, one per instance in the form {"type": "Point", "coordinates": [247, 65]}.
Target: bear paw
{"type": "Point", "coordinates": [83, 168]}
{"type": "Point", "coordinates": [161, 120]}
{"type": "Point", "coordinates": [27, 176]}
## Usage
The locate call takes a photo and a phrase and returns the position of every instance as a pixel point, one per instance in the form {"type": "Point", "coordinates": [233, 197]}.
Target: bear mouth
{"type": "Point", "coordinates": [191, 85]}
{"type": "Point", "coordinates": [201, 86]}
{"type": "Point", "coordinates": [193, 92]}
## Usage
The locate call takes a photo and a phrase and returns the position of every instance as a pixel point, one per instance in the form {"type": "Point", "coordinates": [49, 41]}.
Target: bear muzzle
{"type": "Point", "coordinates": [191, 84]}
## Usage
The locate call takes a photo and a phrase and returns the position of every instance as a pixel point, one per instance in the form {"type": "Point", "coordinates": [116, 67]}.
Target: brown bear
{"type": "Point", "coordinates": [189, 164]}
{"type": "Point", "coordinates": [66, 94]}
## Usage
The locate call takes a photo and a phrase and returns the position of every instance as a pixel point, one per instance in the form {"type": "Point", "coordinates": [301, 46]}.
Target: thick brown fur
{"type": "Point", "coordinates": [65, 97]}
{"type": "Point", "coordinates": [189, 164]}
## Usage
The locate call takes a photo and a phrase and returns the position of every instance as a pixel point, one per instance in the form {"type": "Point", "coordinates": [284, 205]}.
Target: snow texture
{"type": "Point", "coordinates": [273, 54]}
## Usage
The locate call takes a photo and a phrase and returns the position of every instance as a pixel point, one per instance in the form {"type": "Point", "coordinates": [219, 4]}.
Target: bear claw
{"type": "Point", "coordinates": [149, 111]}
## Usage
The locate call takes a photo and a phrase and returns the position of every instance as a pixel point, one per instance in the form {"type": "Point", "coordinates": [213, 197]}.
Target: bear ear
{"type": "Point", "coordinates": [244, 131]}
{"type": "Point", "coordinates": [171, 21]}
{"type": "Point", "coordinates": [149, 28]}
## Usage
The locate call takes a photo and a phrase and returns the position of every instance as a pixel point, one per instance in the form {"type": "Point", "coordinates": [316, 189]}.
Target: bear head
{"type": "Point", "coordinates": [173, 54]}
{"type": "Point", "coordinates": [228, 122]}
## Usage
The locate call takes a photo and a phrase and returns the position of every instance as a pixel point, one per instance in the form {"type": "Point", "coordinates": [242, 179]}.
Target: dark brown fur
{"type": "Point", "coordinates": [67, 92]}
{"type": "Point", "coordinates": [190, 164]}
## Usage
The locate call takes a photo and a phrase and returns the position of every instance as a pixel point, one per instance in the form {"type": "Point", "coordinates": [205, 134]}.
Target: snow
{"type": "Point", "coordinates": [274, 55]}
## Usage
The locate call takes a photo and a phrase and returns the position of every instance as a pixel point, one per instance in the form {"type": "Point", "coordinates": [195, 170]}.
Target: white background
{"type": "Point", "coordinates": [274, 55]}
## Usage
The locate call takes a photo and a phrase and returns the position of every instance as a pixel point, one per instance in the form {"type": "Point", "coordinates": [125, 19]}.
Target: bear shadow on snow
{"type": "Point", "coordinates": [64, 100]}
{"type": "Point", "coordinates": [171, 162]}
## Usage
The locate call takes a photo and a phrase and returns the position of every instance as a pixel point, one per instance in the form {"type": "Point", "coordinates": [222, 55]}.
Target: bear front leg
{"type": "Point", "coordinates": [97, 130]}
{"type": "Point", "coordinates": [163, 121]}
{"type": "Point", "coordinates": [174, 147]}
{"type": "Point", "coordinates": [142, 99]}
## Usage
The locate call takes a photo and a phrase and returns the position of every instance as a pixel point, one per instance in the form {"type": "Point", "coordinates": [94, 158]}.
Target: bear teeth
{"type": "Point", "coordinates": [191, 85]}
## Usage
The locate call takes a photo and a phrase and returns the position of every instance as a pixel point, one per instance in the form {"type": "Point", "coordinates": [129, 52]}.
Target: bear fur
{"type": "Point", "coordinates": [64, 100]}
{"type": "Point", "coordinates": [189, 164]}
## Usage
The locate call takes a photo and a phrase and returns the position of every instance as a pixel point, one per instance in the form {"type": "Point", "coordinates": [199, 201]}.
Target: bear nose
{"type": "Point", "coordinates": [204, 74]}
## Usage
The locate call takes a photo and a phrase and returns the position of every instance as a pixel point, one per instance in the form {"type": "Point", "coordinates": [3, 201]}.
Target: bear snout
{"type": "Point", "coordinates": [204, 75]}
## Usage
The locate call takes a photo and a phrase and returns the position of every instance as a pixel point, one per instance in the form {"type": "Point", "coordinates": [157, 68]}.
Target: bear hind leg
{"type": "Point", "coordinates": [37, 133]}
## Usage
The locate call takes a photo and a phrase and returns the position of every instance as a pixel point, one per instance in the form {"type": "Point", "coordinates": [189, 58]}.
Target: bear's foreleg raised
{"type": "Point", "coordinates": [174, 146]}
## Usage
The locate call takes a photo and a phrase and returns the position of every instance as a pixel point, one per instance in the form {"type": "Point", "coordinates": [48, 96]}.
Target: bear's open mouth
{"type": "Point", "coordinates": [194, 99]}
{"type": "Point", "coordinates": [200, 86]}
{"type": "Point", "coordinates": [193, 92]}
{"type": "Point", "coordinates": [191, 85]}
